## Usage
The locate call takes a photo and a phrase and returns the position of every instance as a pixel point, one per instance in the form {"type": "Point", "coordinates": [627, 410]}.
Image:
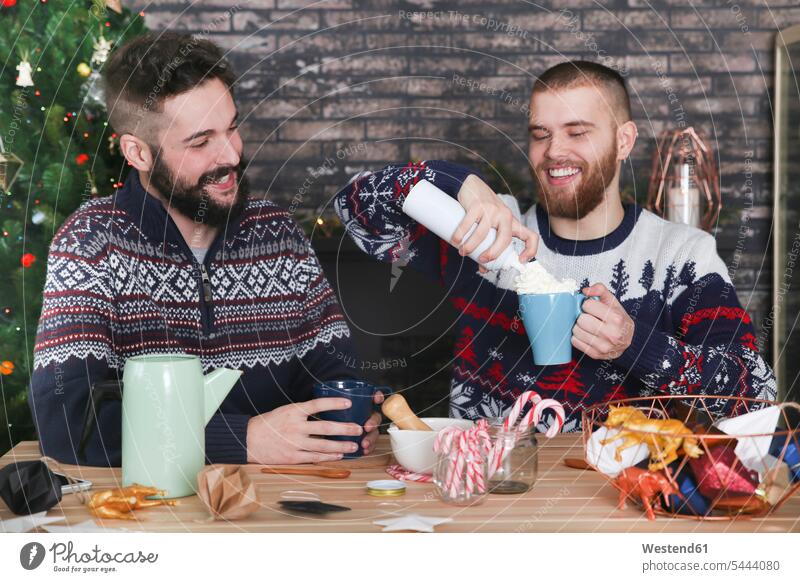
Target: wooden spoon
{"type": "Point", "coordinates": [733, 504]}
{"type": "Point", "coordinates": [396, 409]}
{"type": "Point", "coordinates": [575, 463]}
{"type": "Point", "coordinates": [311, 471]}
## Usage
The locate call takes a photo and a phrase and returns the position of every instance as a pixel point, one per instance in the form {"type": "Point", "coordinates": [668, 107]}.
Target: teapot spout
{"type": "Point", "coordinates": [217, 385]}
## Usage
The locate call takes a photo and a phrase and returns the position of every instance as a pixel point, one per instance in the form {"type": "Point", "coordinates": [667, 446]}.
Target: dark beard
{"type": "Point", "coordinates": [193, 202]}
{"type": "Point", "coordinates": [590, 193]}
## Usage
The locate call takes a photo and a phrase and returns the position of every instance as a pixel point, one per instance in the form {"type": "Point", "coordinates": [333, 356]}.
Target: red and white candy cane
{"type": "Point", "coordinates": [530, 419]}
{"type": "Point", "coordinates": [497, 453]}
{"type": "Point", "coordinates": [397, 472]}
{"type": "Point", "coordinates": [465, 451]}
{"type": "Point", "coordinates": [496, 457]}
{"type": "Point", "coordinates": [443, 444]}
{"type": "Point", "coordinates": [558, 410]}
{"type": "Point", "coordinates": [519, 404]}
{"type": "Point", "coordinates": [534, 415]}
{"type": "Point", "coordinates": [478, 447]}
{"type": "Point", "coordinates": [460, 459]}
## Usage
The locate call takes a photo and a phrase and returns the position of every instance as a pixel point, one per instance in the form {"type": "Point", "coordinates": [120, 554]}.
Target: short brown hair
{"type": "Point", "coordinates": [571, 74]}
{"type": "Point", "coordinates": [150, 68]}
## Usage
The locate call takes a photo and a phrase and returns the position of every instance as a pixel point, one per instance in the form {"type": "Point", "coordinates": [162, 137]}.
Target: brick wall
{"type": "Point", "coordinates": [330, 87]}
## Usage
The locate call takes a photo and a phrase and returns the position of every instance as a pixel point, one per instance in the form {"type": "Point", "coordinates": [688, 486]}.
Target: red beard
{"type": "Point", "coordinates": [577, 200]}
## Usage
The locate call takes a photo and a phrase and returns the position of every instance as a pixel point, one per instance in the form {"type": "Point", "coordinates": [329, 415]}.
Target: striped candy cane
{"type": "Point", "coordinates": [465, 467]}
{"type": "Point", "coordinates": [455, 467]}
{"type": "Point", "coordinates": [464, 450]}
{"type": "Point", "coordinates": [498, 454]}
{"type": "Point", "coordinates": [557, 409]}
{"type": "Point", "coordinates": [531, 418]}
{"type": "Point", "coordinates": [449, 442]}
{"type": "Point", "coordinates": [481, 444]}
{"type": "Point", "coordinates": [397, 472]}
{"type": "Point", "coordinates": [443, 444]}
{"type": "Point", "coordinates": [519, 404]}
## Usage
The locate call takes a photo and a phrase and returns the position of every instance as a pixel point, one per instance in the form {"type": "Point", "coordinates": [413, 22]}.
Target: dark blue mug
{"type": "Point", "coordinates": [360, 394]}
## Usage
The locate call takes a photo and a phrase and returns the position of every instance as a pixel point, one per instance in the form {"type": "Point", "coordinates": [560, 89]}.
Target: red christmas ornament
{"type": "Point", "coordinates": [6, 367]}
{"type": "Point", "coordinates": [81, 159]}
{"type": "Point", "coordinates": [9, 3]}
{"type": "Point", "coordinates": [27, 260]}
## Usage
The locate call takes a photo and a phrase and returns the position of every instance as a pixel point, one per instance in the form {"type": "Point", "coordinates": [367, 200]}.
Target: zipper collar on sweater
{"type": "Point", "coordinates": [155, 222]}
{"type": "Point", "coordinates": [595, 246]}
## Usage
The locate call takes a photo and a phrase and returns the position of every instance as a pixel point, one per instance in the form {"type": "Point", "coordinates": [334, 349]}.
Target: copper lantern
{"type": "Point", "coordinates": [684, 182]}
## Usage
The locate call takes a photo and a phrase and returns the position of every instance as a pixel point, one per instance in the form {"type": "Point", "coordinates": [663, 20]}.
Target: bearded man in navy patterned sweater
{"type": "Point", "coordinates": [181, 259]}
{"type": "Point", "coordinates": [667, 321]}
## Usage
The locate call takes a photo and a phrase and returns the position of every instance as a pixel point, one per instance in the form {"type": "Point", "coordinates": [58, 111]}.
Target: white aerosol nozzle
{"type": "Point", "coordinates": [515, 263]}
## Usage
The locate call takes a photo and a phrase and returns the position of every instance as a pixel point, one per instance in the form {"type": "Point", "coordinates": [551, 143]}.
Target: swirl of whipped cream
{"type": "Point", "coordinates": [535, 279]}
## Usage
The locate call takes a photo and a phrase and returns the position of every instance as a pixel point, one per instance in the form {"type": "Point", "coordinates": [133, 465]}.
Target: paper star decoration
{"type": "Point", "coordinates": [88, 526]}
{"type": "Point", "coordinates": [27, 522]}
{"type": "Point", "coordinates": [412, 522]}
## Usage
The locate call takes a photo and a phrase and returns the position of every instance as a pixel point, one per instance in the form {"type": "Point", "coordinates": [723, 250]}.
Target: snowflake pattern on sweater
{"type": "Point", "coordinates": [269, 285]}
{"type": "Point", "coordinates": [691, 334]}
{"type": "Point", "coordinates": [122, 281]}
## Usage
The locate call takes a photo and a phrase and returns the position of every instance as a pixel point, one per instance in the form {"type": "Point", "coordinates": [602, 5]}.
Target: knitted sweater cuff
{"type": "Point", "coordinates": [648, 351]}
{"type": "Point", "coordinates": [449, 177]}
{"type": "Point", "coordinates": [226, 439]}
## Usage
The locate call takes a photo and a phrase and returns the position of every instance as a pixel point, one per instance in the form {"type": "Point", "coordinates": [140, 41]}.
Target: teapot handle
{"type": "Point", "coordinates": [99, 393]}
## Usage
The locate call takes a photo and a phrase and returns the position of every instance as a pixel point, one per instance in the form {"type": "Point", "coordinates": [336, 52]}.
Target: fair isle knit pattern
{"type": "Point", "coordinates": [136, 297]}
{"type": "Point", "coordinates": [122, 281]}
{"type": "Point", "coordinates": [691, 334]}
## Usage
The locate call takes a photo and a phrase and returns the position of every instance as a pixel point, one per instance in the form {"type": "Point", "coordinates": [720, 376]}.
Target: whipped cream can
{"type": "Point", "coordinates": [441, 214]}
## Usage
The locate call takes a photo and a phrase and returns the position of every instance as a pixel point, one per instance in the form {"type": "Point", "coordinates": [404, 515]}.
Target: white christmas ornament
{"type": "Point", "coordinates": [25, 77]}
{"type": "Point", "coordinates": [38, 217]}
{"type": "Point", "coordinates": [102, 48]}
{"type": "Point", "coordinates": [412, 522]}
{"type": "Point", "coordinates": [92, 92]}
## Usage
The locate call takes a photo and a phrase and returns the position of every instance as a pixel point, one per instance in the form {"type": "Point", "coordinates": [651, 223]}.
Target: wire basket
{"type": "Point", "coordinates": [715, 484]}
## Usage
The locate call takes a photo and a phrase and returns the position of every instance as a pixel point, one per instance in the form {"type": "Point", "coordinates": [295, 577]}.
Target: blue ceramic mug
{"type": "Point", "coordinates": [549, 319]}
{"type": "Point", "coordinates": [360, 394]}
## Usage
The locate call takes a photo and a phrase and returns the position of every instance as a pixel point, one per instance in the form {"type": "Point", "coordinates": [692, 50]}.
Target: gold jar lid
{"type": "Point", "coordinates": [379, 493]}
{"type": "Point", "coordinates": [386, 488]}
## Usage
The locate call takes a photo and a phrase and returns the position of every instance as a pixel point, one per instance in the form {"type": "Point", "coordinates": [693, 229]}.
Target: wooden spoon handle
{"type": "Point", "coordinates": [321, 472]}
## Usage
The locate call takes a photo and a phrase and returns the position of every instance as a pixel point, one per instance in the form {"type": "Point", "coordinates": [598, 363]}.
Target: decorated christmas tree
{"type": "Point", "coordinates": [57, 151]}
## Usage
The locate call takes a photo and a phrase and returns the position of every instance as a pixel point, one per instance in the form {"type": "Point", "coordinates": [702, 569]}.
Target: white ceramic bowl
{"type": "Point", "coordinates": [413, 449]}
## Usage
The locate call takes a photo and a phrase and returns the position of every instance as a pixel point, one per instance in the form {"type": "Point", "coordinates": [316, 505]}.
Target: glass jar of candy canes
{"type": "Point", "coordinates": [460, 474]}
{"type": "Point", "coordinates": [514, 458]}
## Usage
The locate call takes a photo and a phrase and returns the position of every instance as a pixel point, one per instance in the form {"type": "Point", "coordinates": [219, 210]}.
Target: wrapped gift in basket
{"type": "Point", "coordinates": [698, 457]}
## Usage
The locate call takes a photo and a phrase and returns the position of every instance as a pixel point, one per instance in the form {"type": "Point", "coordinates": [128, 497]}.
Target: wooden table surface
{"type": "Point", "coordinates": [563, 500]}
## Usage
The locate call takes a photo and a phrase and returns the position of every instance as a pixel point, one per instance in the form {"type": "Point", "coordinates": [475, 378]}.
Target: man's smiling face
{"type": "Point", "coordinates": [198, 166]}
{"type": "Point", "coordinates": [573, 149]}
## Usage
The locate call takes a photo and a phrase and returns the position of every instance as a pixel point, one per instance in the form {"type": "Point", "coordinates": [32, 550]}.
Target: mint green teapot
{"type": "Point", "coordinates": [166, 404]}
